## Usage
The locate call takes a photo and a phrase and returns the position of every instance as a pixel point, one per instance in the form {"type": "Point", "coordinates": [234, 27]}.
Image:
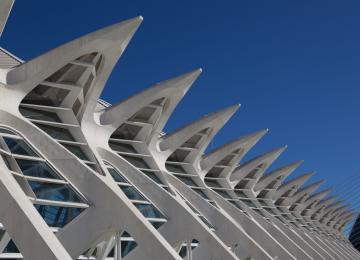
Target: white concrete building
{"type": "Point", "coordinates": [84, 179]}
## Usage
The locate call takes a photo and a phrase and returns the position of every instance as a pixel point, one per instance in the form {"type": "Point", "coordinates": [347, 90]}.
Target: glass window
{"type": "Point", "coordinates": [152, 176]}
{"type": "Point", "coordinates": [39, 114]}
{"type": "Point", "coordinates": [54, 191]}
{"type": "Point", "coordinates": [212, 183]}
{"type": "Point", "coordinates": [121, 147]}
{"type": "Point", "coordinates": [132, 193]}
{"type": "Point", "coordinates": [11, 248]}
{"type": "Point", "coordinates": [174, 168]}
{"type": "Point", "coordinates": [157, 224]}
{"type": "Point", "coordinates": [192, 142]}
{"type": "Point", "coordinates": [117, 176]}
{"type": "Point", "coordinates": [235, 204]}
{"type": "Point", "coordinates": [136, 161]}
{"type": "Point", "coordinates": [249, 203]}
{"type": "Point", "coordinates": [56, 132]}
{"type": "Point", "coordinates": [127, 247]}
{"type": "Point", "coordinates": [126, 131]}
{"type": "Point", "coordinates": [45, 95]}
{"type": "Point", "coordinates": [36, 169]}
{"type": "Point", "coordinates": [262, 202]}
{"type": "Point", "coordinates": [77, 151]}
{"type": "Point", "coordinates": [18, 146]}
{"type": "Point", "coordinates": [148, 210]}
{"type": "Point", "coordinates": [183, 252]}
{"type": "Point", "coordinates": [143, 115]}
{"type": "Point", "coordinates": [240, 194]}
{"type": "Point", "coordinates": [214, 172]}
{"type": "Point", "coordinates": [223, 193]}
{"type": "Point", "coordinates": [56, 216]}
{"type": "Point", "coordinates": [259, 211]}
{"type": "Point", "coordinates": [186, 180]}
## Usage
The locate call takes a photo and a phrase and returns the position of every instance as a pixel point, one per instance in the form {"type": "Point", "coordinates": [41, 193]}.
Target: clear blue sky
{"type": "Point", "coordinates": [293, 65]}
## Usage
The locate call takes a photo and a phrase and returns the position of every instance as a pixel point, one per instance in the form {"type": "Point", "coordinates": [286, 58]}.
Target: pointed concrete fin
{"type": "Point", "coordinates": [115, 36]}
{"type": "Point", "coordinates": [214, 121]}
{"type": "Point", "coordinates": [347, 214]}
{"type": "Point", "coordinates": [298, 181]}
{"type": "Point", "coordinates": [306, 190]}
{"type": "Point", "coordinates": [317, 196]}
{"type": "Point", "coordinates": [310, 188]}
{"type": "Point", "coordinates": [283, 171]}
{"type": "Point", "coordinates": [333, 206]}
{"type": "Point", "coordinates": [268, 158]}
{"type": "Point", "coordinates": [5, 9]}
{"type": "Point", "coordinates": [325, 202]}
{"type": "Point", "coordinates": [341, 208]}
{"type": "Point", "coordinates": [173, 89]}
{"type": "Point", "coordinates": [245, 143]}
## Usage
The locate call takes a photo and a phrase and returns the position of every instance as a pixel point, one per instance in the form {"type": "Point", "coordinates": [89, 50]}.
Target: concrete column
{"type": "Point", "coordinates": [117, 251]}
{"type": "Point", "coordinates": [188, 250]}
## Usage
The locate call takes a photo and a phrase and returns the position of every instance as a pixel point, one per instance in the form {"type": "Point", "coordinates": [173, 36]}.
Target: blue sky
{"type": "Point", "coordinates": [293, 65]}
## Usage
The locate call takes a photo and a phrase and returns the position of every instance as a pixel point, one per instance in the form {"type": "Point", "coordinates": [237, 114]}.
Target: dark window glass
{"type": "Point", "coordinates": [56, 216]}
{"type": "Point", "coordinates": [186, 180]}
{"type": "Point", "coordinates": [174, 168]}
{"type": "Point", "coordinates": [39, 114]}
{"type": "Point", "coordinates": [73, 75]}
{"type": "Point", "coordinates": [192, 142]}
{"type": "Point", "coordinates": [136, 161]}
{"type": "Point", "coordinates": [132, 193]}
{"type": "Point", "coordinates": [249, 203]}
{"type": "Point", "coordinates": [36, 169]}
{"type": "Point", "coordinates": [77, 151]}
{"type": "Point", "coordinates": [116, 176]}
{"type": "Point", "coordinates": [148, 210]}
{"type": "Point", "coordinates": [127, 247]}
{"type": "Point", "coordinates": [52, 191]}
{"type": "Point", "coordinates": [183, 252]}
{"type": "Point", "coordinates": [235, 204]}
{"type": "Point", "coordinates": [152, 176]}
{"type": "Point", "coordinates": [76, 106]}
{"type": "Point", "coordinates": [56, 132]}
{"type": "Point", "coordinates": [11, 248]}
{"type": "Point", "coordinates": [223, 193]}
{"type": "Point", "coordinates": [240, 194]}
{"type": "Point", "coordinates": [121, 147]}
{"type": "Point", "coordinates": [126, 131]}
{"type": "Point", "coordinates": [18, 146]}
{"type": "Point", "coordinates": [143, 115]}
{"type": "Point", "coordinates": [45, 95]}
{"type": "Point", "coordinates": [157, 224]}
{"type": "Point", "coordinates": [212, 183]}
{"type": "Point", "coordinates": [214, 172]}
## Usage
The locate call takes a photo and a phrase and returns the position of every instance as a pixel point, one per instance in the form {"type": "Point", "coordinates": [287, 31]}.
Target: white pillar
{"type": "Point", "coordinates": [188, 250]}
{"type": "Point", "coordinates": [117, 247]}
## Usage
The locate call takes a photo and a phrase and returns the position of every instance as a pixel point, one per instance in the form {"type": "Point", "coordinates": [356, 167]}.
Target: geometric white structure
{"type": "Point", "coordinates": [83, 179]}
